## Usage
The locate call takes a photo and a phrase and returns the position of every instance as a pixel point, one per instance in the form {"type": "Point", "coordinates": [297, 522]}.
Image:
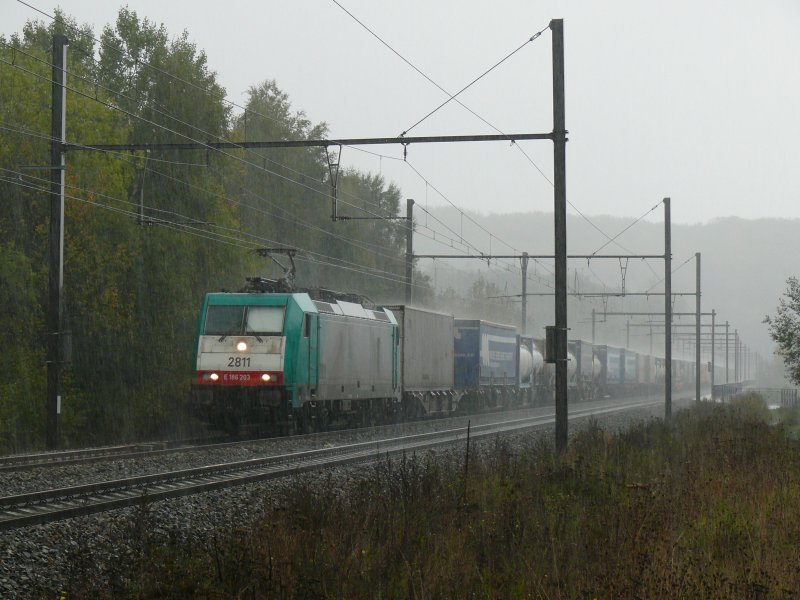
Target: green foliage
{"type": "Point", "coordinates": [784, 328]}
{"type": "Point", "coordinates": [147, 234]}
{"type": "Point", "coordinates": [23, 376]}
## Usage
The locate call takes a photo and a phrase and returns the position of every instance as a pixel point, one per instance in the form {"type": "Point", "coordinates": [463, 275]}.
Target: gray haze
{"type": "Point", "coordinates": [744, 266]}
{"type": "Point", "coordinates": [693, 100]}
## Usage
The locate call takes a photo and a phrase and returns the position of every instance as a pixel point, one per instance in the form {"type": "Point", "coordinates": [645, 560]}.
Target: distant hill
{"type": "Point", "coordinates": [744, 263]}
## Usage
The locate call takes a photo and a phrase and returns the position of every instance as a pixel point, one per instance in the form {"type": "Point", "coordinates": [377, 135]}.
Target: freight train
{"type": "Point", "coordinates": [306, 361]}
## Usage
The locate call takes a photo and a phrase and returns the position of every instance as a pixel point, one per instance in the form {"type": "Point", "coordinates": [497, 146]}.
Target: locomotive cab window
{"type": "Point", "coordinates": [264, 320]}
{"type": "Point", "coordinates": [307, 325]}
{"type": "Point", "coordinates": [244, 320]}
{"type": "Point", "coordinates": [224, 320]}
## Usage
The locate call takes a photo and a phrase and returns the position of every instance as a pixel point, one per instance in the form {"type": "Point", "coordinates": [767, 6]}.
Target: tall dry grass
{"type": "Point", "coordinates": [707, 506]}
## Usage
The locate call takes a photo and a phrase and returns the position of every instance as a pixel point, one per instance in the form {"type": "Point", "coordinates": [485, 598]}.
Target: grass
{"type": "Point", "coordinates": [703, 507]}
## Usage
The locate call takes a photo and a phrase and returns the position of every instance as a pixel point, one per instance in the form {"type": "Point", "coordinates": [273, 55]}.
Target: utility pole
{"type": "Point", "coordinates": [593, 322]}
{"type": "Point", "coordinates": [56, 236]}
{"type": "Point", "coordinates": [713, 343]}
{"type": "Point", "coordinates": [409, 247]}
{"type": "Point", "coordinates": [667, 311]}
{"type": "Point", "coordinates": [560, 219]}
{"type": "Point", "coordinates": [736, 355]}
{"type": "Point", "coordinates": [746, 363]}
{"type": "Point", "coordinates": [524, 293]}
{"type": "Point", "coordinates": [628, 334]}
{"type": "Point", "coordinates": [727, 353]}
{"type": "Point", "coordinates": [697, 332]}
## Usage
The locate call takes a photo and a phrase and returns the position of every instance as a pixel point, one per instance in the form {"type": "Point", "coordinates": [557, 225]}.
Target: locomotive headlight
{"type": "Point", "coordinates": [241, 346]}
{"type": "Point", "coordinates": [265, 377]}
{"type": "Point", "coordinates": [213, 377]}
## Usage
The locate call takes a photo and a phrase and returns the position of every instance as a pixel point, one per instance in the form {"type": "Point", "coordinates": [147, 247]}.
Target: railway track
{"type": "Point", "coordinates": [34, 508]}
{"type": "Point", "coordinates": [22, 462]}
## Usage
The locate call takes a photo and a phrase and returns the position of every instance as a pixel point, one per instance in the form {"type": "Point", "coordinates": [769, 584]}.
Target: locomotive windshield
{"type": "Point", "coordinates": [264, 320]}
{"type": "Point", "coordinates": [244, 320]}
{"type": "Point", "coordinates": [224, 320]}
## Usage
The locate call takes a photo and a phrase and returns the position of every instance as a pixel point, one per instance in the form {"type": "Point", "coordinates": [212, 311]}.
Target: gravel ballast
{"type": "Point", "coordinates": [42, 561]}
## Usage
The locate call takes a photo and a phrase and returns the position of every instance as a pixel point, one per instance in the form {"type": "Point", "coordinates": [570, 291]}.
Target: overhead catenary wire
{"type": "Point", "coordinates": [117, 93]}
{"type": "Point", "coordinates": [113, 107]}
{"type": "Point", "coordinates": [247, 162]}
{"type": "Point", "coordinates": [206, 90]}
{"type": "Point", "coordinates": [627, 228]}
{"type": "Point", "coordinates": [453, 97]}
{"type": "Point", "coordinates": [230, 240]}
{"type": "Point", "coordinates": [194, 85]}
{"type": "Point", "coordinates": [375, 249]}
{"type": "Point", "coordinates": [675, 270]}
{"type": "Point", "coordinates": [474, 81]}
{"type": "Point", "coordinates": [460, 210]}
{"type": "Point", "coordinates": [531, 277]}
{"type": "Point", "coordinates": [137, 116]}
{"type": "Point", "coordinates": [413, 66]}
{"type": "Point", "coordinates": [369, 247]}
{"type": "Point", "coordinates": [205, 144]}
{"type": "Point", "coordinates": [450, 97]}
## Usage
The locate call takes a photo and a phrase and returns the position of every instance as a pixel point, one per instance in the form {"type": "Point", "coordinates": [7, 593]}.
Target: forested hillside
{"type": "Point", "coordinates": [147, 234]}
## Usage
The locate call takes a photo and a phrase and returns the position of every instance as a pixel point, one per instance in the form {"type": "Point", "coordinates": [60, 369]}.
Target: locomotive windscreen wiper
{"type": "Point", "coordinates": [255, 335]}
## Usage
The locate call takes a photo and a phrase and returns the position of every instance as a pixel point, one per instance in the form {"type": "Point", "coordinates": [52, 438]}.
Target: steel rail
{"type": "Point", "coordinates": [24, 462]}
{"type": "Point", "coordinates": [18, 462]}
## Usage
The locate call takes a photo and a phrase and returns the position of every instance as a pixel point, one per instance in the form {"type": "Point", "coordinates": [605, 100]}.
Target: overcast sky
{"type": "Point", "coordinates": [694, 100]}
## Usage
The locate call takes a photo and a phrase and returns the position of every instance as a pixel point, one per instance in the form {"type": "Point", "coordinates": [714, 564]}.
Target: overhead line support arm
{"type": "Point", "coordinates": [405, 141]}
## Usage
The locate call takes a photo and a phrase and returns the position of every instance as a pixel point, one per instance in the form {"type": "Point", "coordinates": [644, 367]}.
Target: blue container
{"type": "Point", "coordinates": [485, 354]}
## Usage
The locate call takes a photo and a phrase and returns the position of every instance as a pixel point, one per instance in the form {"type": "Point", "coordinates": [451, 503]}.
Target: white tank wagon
{"type": "Point", "coordinates": [549, 371]}
{"type": "Point", "coordinates": [525, 364]}
{"type": "Point", "coordinates": [529, 370]}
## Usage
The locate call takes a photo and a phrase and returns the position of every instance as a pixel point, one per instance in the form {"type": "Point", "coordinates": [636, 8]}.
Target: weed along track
{"type": "Point", "coordinates": [44, 506]}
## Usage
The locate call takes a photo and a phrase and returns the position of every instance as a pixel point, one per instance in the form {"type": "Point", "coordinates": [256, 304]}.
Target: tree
{"type": "Point", "coordinates": [784, 328]}
{"type": "Point", "coordinates": [148, 233]}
